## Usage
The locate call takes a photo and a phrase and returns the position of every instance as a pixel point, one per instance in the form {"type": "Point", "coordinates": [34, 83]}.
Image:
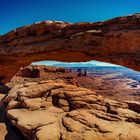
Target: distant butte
{"type": "Point", "coordinates": [115, 41]}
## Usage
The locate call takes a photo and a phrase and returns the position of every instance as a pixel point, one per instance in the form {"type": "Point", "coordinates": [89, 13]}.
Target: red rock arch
{"type": "Point", "coordinates": [115, 41]}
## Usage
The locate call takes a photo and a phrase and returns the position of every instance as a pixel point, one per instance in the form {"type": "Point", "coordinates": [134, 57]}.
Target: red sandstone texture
{"type": "Point", "coordinates": [116, 41]}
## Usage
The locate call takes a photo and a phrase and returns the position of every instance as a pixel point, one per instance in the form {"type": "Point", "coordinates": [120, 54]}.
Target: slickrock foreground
{"type": "Point", "coordinates": [53, 110]}
{"type": "Point", "coordinates": [115, 41]}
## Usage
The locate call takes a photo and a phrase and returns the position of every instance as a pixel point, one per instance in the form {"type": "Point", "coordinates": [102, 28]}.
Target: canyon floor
{"type": "Point", "coordinates": [117, 83]}
{"type": "Point", "coordinates": [49, 103]}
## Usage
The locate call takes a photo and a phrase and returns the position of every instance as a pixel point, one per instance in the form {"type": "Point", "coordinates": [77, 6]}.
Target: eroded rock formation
{"type": "Point", "coordinates": [53, 110]}
{"type": "Point", "coordinates": [116, 41]}
{"type": "Point", "coordinates": [34, 73]}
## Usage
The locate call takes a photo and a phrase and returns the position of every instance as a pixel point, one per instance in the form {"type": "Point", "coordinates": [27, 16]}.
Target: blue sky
{"type": "Point", "coordinates": [16, 13]}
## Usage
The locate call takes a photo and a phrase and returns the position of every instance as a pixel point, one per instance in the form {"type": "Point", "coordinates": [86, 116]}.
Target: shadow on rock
{"type": "Point", "coordinates": [11, 132]}
{"type": "Point", "coordinates": [3, 88]}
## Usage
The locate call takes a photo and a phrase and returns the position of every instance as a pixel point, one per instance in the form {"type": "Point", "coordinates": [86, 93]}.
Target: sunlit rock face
{"type": "Point", "coordinates": [36, 73]}
{"type": "Point", "coordinates": [53, 110]}
{"type": "Point", "coordinates": [115, 41]}
{"type": "Point", "coordinates": [44, 103]}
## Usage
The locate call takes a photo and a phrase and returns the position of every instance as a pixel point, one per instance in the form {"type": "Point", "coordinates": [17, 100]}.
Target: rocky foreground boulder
{"type": "Point", "coordinates": [54, 110]}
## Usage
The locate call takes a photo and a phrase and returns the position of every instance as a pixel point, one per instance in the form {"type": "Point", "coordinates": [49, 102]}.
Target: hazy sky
{"type": "Point", "coordinates": [16, 13]}
{"type": "Point", "coordinates": [89, 63]}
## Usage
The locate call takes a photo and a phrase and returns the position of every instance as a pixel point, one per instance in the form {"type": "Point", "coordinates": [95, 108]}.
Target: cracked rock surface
{"type": "Point", "coordinates": [53, 110]}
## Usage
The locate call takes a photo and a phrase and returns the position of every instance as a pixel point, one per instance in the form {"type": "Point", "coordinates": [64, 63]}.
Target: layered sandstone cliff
{"type": "Point", "coordinates": [115, 41]}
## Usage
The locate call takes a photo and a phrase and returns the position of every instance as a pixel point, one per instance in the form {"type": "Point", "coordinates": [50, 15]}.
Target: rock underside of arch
{"type": "Point", "coordinates": [115, 41]}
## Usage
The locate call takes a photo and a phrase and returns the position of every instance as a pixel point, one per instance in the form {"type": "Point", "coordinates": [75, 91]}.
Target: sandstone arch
{"type": "Point", "coordinates": [115, 41]}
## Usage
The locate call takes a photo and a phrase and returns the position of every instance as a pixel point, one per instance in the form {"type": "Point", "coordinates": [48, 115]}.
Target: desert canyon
{"type": "Point", "coordinates": [47, 103]}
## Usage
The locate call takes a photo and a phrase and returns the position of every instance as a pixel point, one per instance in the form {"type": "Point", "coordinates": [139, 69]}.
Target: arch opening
{"type": "Point", "coordinates": [112, 81]}
{"type": "Point", "coordinates": [115, 41]}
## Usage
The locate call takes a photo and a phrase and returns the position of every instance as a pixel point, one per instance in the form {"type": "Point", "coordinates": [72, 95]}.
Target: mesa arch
{"type": "Point", "coordinates": [115, 41]}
